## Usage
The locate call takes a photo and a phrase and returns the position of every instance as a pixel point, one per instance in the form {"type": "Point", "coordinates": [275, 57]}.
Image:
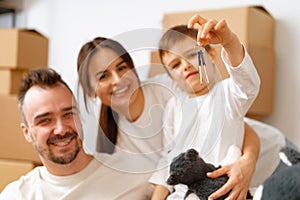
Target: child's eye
{"type": "Point", "coordinates": [122, 67]}
{"type": "Point", "coordinates": [175, 65]}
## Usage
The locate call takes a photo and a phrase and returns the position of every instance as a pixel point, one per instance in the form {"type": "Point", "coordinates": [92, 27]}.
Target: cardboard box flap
{"type": "Point", "coordinates": [261, 8]}
{"type": "Point", "coordinates": [33, 31]}
{"type": "Point", "coordinates": [16, 30]}
{"type": "Point", "coordinates": [258, 7]}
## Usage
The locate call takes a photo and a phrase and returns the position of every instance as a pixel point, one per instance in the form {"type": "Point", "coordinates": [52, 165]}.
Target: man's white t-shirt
{"type": "Point", "coordinates": [96, 181]}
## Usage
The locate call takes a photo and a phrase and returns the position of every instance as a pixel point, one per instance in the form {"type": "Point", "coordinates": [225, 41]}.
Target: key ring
{"type": "Point", "coordinates": [201, 63]}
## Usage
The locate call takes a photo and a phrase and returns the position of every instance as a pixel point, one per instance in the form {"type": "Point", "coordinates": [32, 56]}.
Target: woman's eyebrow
{"type": "Point", "coordinates": [99, 73]}
{"type": "Point", "coordinates": [102, 71]}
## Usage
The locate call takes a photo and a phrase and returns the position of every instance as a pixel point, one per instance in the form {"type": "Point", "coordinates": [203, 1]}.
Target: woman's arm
{"type": "Point", "coordinates": [240, 172]}
{"type": "Point", "coordinates": [160, 193]}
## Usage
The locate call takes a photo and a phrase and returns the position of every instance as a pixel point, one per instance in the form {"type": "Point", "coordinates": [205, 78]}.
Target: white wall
{"type": "Point", "coordinates": [70, 23]}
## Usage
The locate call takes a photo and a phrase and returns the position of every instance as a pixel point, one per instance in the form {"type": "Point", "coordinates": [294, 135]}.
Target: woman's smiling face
{"type": "Point", "coordinates": [112, 79]}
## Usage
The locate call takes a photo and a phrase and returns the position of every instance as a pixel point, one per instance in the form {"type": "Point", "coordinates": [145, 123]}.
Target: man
{"type": "Point", "coordinates": [51, 122]}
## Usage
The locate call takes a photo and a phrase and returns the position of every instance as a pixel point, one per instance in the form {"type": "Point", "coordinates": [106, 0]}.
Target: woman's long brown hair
{"type": "Point", "coordinates": [108, 129]}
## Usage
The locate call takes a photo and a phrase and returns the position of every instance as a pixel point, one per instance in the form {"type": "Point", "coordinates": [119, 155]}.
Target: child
{"type": "Point", "coordinates": [210, 117]}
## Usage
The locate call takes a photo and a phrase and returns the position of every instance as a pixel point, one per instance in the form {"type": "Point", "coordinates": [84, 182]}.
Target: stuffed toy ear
{"type": "Point", "coordinates": [290, 156]}
{"type": "Point", "coordinates": [191, 154]}
{"type": "Point", "coordinates": [172, 180]}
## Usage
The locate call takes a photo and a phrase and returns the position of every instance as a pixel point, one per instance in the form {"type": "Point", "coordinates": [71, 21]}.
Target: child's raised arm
{"type": "Point", "coordinates": [218, 32]}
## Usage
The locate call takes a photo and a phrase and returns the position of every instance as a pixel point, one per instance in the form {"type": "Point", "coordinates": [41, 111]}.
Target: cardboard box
{"type": "Point", "coordinates": [264, 60]}
{"type": "Point", "coordinates": [253, 24]}
{"type": "Point", "coordinates": [10, 80]}
{"type": "Point", "coordinates": [12, 142]}
{"type": "Point", "coordinates": [22, 49]}
{"type": "Point", "coordinates": [12, 4]}
{"type": "Point", "coordinates": [156, 67]}
{"type": "Point", "coordinates": [255, 28]}
{"type": "Point", "coordinates": [11, 170]}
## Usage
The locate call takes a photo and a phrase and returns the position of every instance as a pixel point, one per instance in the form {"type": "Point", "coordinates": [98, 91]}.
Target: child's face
{"type": "Point", "coordinates": [182, 63]}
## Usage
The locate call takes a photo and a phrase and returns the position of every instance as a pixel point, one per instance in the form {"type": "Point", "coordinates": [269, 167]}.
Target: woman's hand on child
{"type": "Point", "coordinates": [240, 174]}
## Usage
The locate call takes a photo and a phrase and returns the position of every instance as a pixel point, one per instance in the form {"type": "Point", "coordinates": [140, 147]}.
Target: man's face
{"type": "Point", "coordinates": [52, 123]}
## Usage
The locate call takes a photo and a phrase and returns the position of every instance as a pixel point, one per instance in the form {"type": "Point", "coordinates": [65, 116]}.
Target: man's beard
{"type": "Point", "coordinates": [67, 158]}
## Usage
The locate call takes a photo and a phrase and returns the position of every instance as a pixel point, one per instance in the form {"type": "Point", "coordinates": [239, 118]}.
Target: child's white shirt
{"type": "Point", "coordinates": [211, 123]}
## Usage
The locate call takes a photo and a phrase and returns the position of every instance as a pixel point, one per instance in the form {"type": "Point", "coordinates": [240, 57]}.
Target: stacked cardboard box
{"type": "Point", "coordinates": [20, 50]}
{"type": "Point", "coordinates": [255, 27]}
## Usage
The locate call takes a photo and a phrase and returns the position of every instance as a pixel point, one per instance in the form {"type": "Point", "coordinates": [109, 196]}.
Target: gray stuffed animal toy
{"type": "Point", "coordinates": [283, 184]}
{"type": "Point", "coordinates": [189, 169]}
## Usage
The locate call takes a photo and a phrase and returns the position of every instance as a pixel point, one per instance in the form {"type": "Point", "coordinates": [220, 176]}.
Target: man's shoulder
{"type": "Point", "coordinates": [19, 187]}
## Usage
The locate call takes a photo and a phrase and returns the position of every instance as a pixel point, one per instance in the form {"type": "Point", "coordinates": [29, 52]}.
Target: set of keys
{"type": "Point", "coordinates": [201, 64]}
